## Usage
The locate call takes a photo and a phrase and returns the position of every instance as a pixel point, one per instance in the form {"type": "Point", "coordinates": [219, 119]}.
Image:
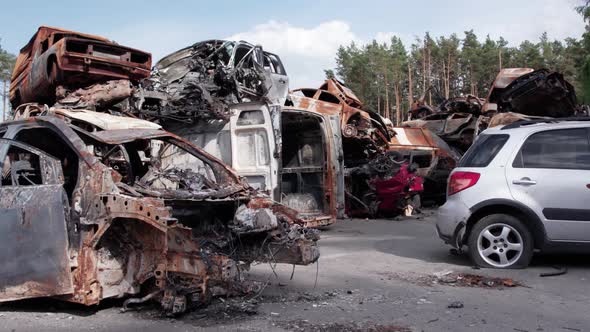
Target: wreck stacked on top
{"type": "Point", "coordinates": [120, 206]}
{"type": "Point", "coordinates": [516, 94]}
{"type": "Point", "coordinates": [55, 57]}
{"type": "Point", "coordinates": [226, 97]}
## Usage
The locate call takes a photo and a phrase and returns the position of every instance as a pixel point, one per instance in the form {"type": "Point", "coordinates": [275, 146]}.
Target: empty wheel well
{"type": "Point", "coordinates": [534, 225]}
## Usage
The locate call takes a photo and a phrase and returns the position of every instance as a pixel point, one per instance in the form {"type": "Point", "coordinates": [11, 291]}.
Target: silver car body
{"type": "Point", "coordinates": [555, 203]}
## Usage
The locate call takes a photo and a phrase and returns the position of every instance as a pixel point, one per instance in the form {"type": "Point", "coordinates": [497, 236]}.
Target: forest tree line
{"type": "Point", "coordinates": [389, 76]}
{"type": "Point", "coordinates": [7, 61]}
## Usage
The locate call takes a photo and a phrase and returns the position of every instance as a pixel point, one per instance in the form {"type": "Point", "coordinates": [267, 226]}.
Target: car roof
{"type": "Point", "coordinates": [106, 121]}
{"type": "Point", "coordinates": [534, 126]}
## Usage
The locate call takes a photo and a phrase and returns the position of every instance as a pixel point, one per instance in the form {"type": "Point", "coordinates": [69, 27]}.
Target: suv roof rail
{"type": "Point", "coordinates": [521, 123]}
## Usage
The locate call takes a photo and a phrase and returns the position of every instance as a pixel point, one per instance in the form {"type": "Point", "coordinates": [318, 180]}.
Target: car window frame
{"type": "Point", "coordinates": [518, 153]}
{"type": "Point", "coordinates": [49, 166]}
{"type": "Point", "coordinates": [470, 152]}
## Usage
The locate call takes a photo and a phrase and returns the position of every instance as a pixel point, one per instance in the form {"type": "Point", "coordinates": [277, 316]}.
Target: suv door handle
{"type": "Point", "coordinates": [525, 182]}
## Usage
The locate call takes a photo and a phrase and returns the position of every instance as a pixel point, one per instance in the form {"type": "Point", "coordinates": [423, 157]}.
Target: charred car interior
{"type": "Point", "coordinates": [132, 212]}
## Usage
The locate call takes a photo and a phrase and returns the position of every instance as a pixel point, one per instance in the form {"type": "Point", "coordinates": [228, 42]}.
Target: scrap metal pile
{"type": "Point", "coordinates": [121, 207]}
{"type": "Point", "coordinates": [516, 94]}
{"type": "Point", "coordinates": [198, 82]}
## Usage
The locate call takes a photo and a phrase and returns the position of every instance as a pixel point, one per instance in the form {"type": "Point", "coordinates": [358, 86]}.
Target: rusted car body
{"type": "Point", "coordinates": [90, 213]}
{"type": "Point", "coordinates": [539, 93]}
{"type": "Point", "coordinates": [376, 183]}
{"type": "Point", "coordinates": [462, 104]}
{"type": "Point", "coordinates": [434, 158]}
{"type": "Point", "coordinates": [305, 172]}
{"type": "Point", "coordinates": [457, 129]}
{"type": "Point", "coordinates": [364, 132]}
{"type": "Point", "coordinates": [55, 57]}
{"type": "Point", "coordinates": [527, 94]}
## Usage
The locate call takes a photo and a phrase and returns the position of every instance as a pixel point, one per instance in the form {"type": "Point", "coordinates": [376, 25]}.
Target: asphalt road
{"type": "Point", "coordinates": [378, 275]}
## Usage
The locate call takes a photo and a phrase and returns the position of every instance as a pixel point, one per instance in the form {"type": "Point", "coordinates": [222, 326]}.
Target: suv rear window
{"type": "Point", "coordinates": [556, 149]}
{"type": "Point", "coordinates": [484, 150]}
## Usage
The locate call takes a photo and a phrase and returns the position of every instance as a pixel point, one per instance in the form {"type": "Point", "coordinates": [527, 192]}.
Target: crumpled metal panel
{"type": "Point", "coordinates": [34, 243]}
{"type": "Point", "coordinates": [202, 81]}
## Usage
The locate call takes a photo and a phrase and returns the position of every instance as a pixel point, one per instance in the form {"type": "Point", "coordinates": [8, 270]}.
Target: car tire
{"type": "Point", "coordinates": [500, 241]}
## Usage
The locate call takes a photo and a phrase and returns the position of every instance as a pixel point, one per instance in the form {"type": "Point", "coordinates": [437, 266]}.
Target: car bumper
{"type": "Point", "coordinates": [451, 220]}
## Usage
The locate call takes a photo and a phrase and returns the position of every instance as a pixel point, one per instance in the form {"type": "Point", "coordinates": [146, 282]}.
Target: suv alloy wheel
{"type": "Point", "coordinates": [500, 241]}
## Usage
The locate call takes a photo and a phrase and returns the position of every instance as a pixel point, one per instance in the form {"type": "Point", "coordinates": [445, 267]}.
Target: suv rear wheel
{"type": "Point", "coordinates": [500, 241]}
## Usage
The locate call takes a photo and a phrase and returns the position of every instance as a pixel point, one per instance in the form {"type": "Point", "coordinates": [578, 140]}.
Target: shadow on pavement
{"type": "Point", "coordinates": [49, 305]}
{"type": "Point", "coordinates": [433, 252]}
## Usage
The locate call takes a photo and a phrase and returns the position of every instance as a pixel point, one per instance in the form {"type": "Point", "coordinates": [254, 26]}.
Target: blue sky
{"type": "Point", "coordinates": [304, 33]}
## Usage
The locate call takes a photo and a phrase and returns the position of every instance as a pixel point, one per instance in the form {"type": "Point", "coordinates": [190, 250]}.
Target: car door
{"type": "Point", "coordinates": [336, 163]}
{"type": "Point", "coordinates": [435, 123]}
{"type": "Point", "coordinates": [456, 121]}
{"type": "Point", "coordinates": [550, 173]}
{"type": "Point", "coordinates": [33, 236]}
{"type": "Point", "coordinates": [252, 144]}
{"type": "Point", "coordinates": [277, 93]}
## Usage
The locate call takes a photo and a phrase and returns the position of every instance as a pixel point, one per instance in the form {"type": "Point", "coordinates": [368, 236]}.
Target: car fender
{"type": "Point", "coordinates": [519, 210]}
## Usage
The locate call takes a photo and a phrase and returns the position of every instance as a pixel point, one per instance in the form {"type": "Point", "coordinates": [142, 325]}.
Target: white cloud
{"type": "Point", "coordinates": [407, 39]}
{"type": "Point", "coordinates": [281, 37]}
{"type": "Point", "coordinates": [305, 52]}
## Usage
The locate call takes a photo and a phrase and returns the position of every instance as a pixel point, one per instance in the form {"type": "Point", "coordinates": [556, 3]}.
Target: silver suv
{"type": "Point", "coordinates": [520, 188]}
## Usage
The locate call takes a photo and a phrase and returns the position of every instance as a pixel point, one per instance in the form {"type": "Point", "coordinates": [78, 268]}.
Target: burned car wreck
{"type": "Point", "coordinates": [201, 81]}
{"type": "Point", "coordinates": [58, 57]}
{"type": "Point", "coordinates": [90, 214]}
{"type": "Point", "coordinates": [527, 94]}
{"type": "Point", "coordinates": [364, 132]}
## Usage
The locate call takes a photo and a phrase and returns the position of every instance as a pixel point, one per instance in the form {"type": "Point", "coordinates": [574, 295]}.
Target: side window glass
{"type": "Point", "coordinates": [21, 168]}
{"type": "Point", "coordinates": [248, 118]}
{"type": "Point", "coordinates": [555, 149]}
{"type": "Point", "coordinates": [483, 151]}
{"type": "Point", "coordinates": [255, 148]}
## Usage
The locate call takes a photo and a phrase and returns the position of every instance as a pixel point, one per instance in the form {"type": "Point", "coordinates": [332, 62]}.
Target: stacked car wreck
{"type": "Point", "coordinates": [516, 94]}
{"type": "Point", "coordinates": [119, 206]}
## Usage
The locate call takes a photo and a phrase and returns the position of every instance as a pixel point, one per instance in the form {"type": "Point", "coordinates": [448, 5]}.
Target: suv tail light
{"type": "Point", "coordinates": [461, 180]}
